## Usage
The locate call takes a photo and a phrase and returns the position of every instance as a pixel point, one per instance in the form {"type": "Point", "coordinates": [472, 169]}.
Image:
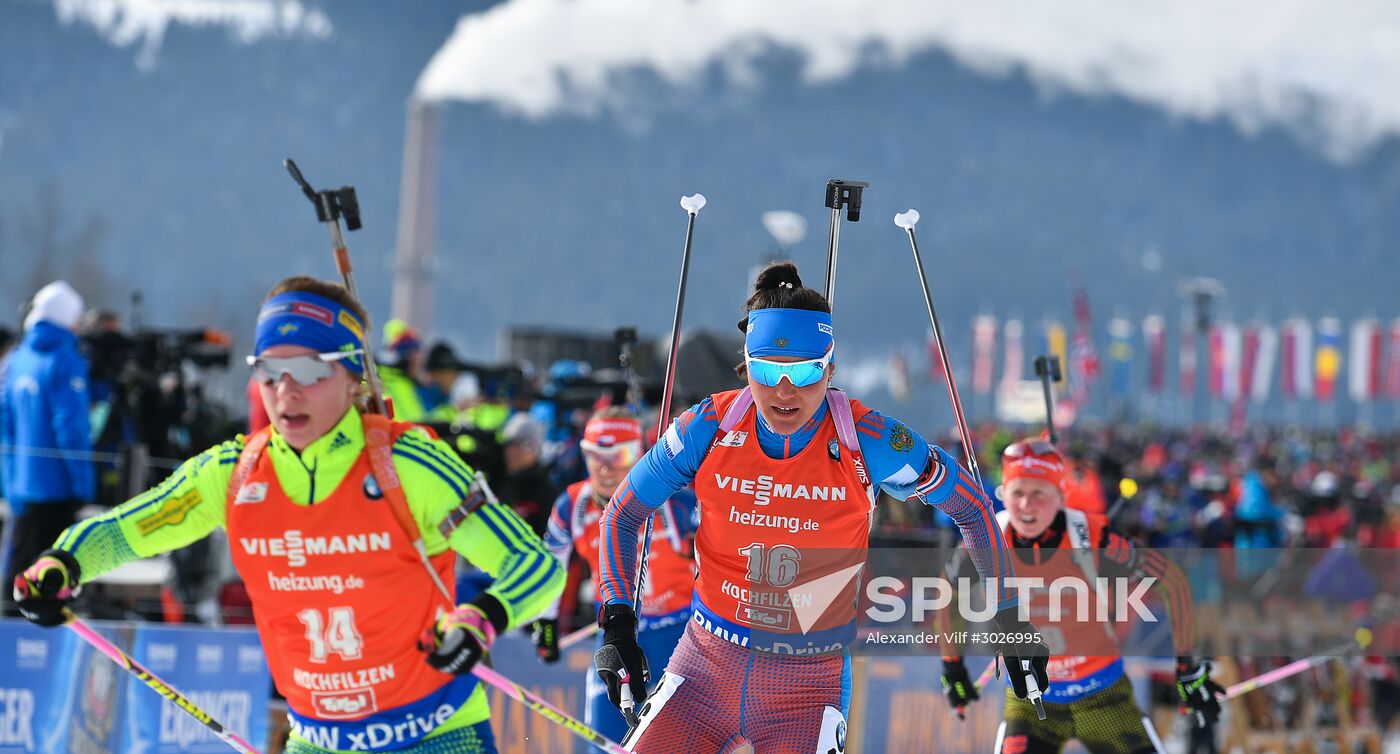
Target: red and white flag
{"type": "Point", "coordinates": [1013, 365]}
{"type": "Point", "coordinates": [899, 377]}
{"type": "Point", "coordinates": [984, 343]}
{"type": "Point", "coordinates": [1085, 371]}
{"type": "Point", "coordinates": [935, 363]}
{"type": "Point", "coordinates": [1392, 370]}
{"type": "Point", "coordinates": [1249, 353]}
{"type": "Point", "coordinates": [1297, 358]}
{"type": "Point", "coordinates": [1186, 362]}
{"type": "Point", "coordinates": [1364, 367]}
{"type": "Point", "coordinates": [1215, 361]}
{"type": "Point", "coordinates": [1267, 354]}
{"type": "Point", "coordinates": [1154, 331]}
{"type": "Point", "coordinates": [1231, 345]}
{"type": "Point", "coordinates": [1377, 378]}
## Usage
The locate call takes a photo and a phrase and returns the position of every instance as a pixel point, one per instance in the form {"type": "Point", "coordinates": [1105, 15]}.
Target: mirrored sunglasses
{"type": "Point", "coordinates": [1024, 448]}
{"type": "Point", "coordinates": [622, 455]}
{"type": "Point", "coordinates": [799, 373]}
{"type": "Point", "coordinates": [305, 370]}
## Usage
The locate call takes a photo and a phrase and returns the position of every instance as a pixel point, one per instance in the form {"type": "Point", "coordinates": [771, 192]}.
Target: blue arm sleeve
{"type": "Point", "coordinates": [665, 470]}
{"type": "Point", "coordinates": [906, 465]}
{"type": "Point", "coordinates": [672, 463]}
{"type": "Point", "coordinates": [557, 535]}
{"type": "Point", "coordinates": [7, 431]}
{"type": "Point", "coordinates": [71, 430]}
{"type": "Point", "coordinates": [559, 540]}
{"type": "Point", "coordinates": [895, 454]}
{"type": "Point", "coordinates": [687, 509]}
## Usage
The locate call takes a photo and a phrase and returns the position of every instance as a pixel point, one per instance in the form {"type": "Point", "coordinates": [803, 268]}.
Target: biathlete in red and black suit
{"type": "Point", "coordinates": [786, 472]}
{"type": "Point", "coordinates": [1090, 700]}
{"type": "Point", "coordinates": [612, 444]}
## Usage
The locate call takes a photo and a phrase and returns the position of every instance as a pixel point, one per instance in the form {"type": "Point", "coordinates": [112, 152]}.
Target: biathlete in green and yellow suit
{"type": "Point", "coordinates": [345, 607]}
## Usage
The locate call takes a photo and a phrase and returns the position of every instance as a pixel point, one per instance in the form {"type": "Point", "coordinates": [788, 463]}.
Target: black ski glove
{"type": "Point", "coordinates": [459, 639]}
{"type": "Point", "coordinates": [1024, 653]}
{"type": "Point", "coordinates": [1197, 691]}
{"type": "Point", "coordinates": [43, 590]}
{"type": "Point", "coordinates": [620, 662]}
{"type": "Point", "coordinates": [958, 686]}
{"type": "Point", "coordinates": [546, 637]}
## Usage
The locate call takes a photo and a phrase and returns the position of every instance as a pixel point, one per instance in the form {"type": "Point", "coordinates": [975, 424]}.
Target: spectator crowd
{"type": "Point", "coordinates": [1168, 487]}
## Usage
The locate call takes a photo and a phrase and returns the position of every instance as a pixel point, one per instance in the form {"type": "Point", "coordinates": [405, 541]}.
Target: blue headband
{"type": "Point", "coordinates": [788, 332]}
{"type": "Point", "coordinates": [300, 318]}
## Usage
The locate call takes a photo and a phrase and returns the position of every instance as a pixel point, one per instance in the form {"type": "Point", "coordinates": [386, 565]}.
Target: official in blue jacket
{"type": "Point", "coordinates": [45, 442]}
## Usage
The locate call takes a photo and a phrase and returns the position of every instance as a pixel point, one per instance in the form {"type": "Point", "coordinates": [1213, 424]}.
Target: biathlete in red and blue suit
{"type": "Point", "coordinates": [612, 444]}
{"type": "Point", "coordinates": [786, 472]}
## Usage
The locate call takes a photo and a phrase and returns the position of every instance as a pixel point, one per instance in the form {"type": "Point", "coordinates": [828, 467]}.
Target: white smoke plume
{"type": "Point", "coordinates": [1326, 71]}
{"type": "Point", "coordinates": [143, 23]}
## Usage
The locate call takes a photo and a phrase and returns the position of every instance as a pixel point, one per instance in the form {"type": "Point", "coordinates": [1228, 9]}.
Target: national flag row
{"type": "Point", "coordinates": [1305, 359]}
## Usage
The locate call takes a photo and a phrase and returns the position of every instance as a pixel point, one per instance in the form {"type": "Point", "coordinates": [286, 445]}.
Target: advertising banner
{"type": "Point", "coordinates": [59, 696]}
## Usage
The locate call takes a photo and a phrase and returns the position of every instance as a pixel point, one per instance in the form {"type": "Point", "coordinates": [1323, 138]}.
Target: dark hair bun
{"type": "Point", "coordinates": [779, 287]}
{"type": "Point", "coordinates": [778, 275]}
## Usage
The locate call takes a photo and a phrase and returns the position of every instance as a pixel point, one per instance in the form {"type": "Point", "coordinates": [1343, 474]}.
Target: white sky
{"type": "Point", "coordinates": [143, 23]}
{"type": "Point", "coordinates": [1330, 72]}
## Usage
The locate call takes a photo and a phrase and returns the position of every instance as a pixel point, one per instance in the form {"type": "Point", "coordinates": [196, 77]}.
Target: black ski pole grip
{"type": "Point", "coordinates": [840, 192]}
{"type": "Point", "coordinates": [349, 206]}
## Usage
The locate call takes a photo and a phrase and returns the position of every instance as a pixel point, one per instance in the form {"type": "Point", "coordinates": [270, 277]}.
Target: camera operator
{"type": "Point", "coordinates": [144, 409]}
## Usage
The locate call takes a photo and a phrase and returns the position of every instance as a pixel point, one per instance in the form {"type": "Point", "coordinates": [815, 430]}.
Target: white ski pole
{"type": "Point", "coordinates": [907, 221]}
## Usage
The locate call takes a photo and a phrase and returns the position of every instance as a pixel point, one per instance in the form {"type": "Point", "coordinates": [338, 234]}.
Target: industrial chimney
{"type": "Point", "coordinates": [414, 286]}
